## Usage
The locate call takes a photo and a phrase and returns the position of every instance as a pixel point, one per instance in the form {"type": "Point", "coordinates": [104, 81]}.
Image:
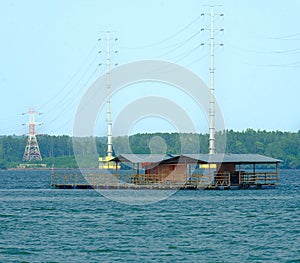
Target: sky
{"type": "Point", "coordinates": [50, 55]}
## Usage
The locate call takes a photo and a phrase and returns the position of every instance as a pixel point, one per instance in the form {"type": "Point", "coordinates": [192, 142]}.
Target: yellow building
{"type": "Point", "coordinates": [106, 163]}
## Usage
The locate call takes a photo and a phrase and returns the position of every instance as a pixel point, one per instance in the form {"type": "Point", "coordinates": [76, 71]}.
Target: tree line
{"type": "Point", "coordinates": [58, 150]}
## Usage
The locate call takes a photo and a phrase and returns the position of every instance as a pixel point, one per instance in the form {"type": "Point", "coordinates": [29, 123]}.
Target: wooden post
{"type": "Point", "coordinates": [52, 176]}
{"type": "Point", "coordinates": [276, 173]}
{"type": "Point", "coordinates": [265, 177]}
{"type": "Point", "coordinates": [186, 171]}
{"type": "Point", "coordinates": [133, 174]}
{"type": "Point", "coordinates": [254, 176]}
{"type": "Point", "coordinates": [239, 173]}
{"type": "Point", "coordinates": [116, 170]}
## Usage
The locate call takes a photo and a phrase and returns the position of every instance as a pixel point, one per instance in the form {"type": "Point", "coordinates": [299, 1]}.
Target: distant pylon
{"type": "Point", "coordinates": [32, 150]}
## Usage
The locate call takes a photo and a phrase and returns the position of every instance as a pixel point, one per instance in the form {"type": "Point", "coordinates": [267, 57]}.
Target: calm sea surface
{"type": "Point", "coordinates": [40, 224]}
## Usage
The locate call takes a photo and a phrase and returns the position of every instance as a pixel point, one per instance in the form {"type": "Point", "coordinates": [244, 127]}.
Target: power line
{"type": "Point", "coordinates": [292, 65]}
{"type": "Point", "coordinates": [74, 87]}
{"type": "Point", "coordinates": [167, 38]}
{"type": "Point", "coordinates": [71, 101]}
{"type": "Point", "coordinates": [67, 103]}
{"type": "Point", "coordinates": [198, 59]}
{"type": "Point", "coordinates": [287, 51]}
{"type": "Point", "coordinates": [184, 55]}
{"type": "Point", "coordinates": [277, 55]}
{"type": "Point", "coordinates": [92, 51]}
{"type": "Point", "coordinates": [287, 37]}
{"type": "Point", "coordinates": [179, 45]}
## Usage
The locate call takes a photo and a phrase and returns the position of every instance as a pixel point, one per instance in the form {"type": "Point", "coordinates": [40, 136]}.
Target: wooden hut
{"type": "Point", "coordinates": [208, 171]}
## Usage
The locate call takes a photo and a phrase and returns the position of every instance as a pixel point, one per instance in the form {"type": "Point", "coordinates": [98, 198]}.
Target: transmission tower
{"type": "Point", "coordinates": [212, 14]}
{"type": "Point", "coordinates": [108, 112]}
{"type": "Point", "coordinates": [32, 151]}
{"type": "Point", "coordinates": [104, 162]}
{"type": "Point", "coordinates": [108, 87]}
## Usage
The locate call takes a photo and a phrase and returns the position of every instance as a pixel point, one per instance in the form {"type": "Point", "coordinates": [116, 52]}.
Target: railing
{"type": "Point", "coordinates": [221, 179]}
{"type": "Point", "coordinates": [147, 178]}
{"type": "Point", "coordinates": [199, 180]}
{"type": "Point", "coordinates": [258, 178]}
{"type": "Point", "coordinates": [208, 181]}
{"type": "Point", "coordinates": [94, 179]}
{"type": "Point", "coordinates": [75, 178]}
{"type": "Point", "coordinates": [159, 180]}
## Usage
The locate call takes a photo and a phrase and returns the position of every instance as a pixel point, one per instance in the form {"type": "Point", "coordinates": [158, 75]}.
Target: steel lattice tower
{"type": "Point", "coordinates": [32, 151]}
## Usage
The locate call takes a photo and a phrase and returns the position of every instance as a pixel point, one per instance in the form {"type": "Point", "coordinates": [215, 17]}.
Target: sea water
{"type": "Point", "coordinates": [40, 224]}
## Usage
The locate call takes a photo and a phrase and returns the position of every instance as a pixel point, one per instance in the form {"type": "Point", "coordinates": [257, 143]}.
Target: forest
{"type": "Point", "coordinates": [58, 150]}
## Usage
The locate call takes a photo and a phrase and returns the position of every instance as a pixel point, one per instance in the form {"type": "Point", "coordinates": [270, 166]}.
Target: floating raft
{"type": "Point", "coordinates": [179, 172]}
{"type": "Point", "coordinates": [114, 187]}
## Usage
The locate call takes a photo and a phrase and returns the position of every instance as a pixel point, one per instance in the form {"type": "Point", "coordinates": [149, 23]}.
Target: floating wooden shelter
{"type": "Point", "coordinates": [185, 171]}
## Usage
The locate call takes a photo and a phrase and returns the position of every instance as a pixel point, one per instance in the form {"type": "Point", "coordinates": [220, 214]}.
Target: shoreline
{"type": "Point", "coordinates": [26, 169]}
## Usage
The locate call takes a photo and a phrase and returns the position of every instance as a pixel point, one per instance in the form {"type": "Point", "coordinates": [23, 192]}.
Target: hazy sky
{"type": "Point", "coordinates": [49, 58]}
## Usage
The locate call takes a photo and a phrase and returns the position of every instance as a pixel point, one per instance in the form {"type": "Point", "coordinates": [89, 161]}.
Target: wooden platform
{"type": "Point", "coordinates": [145, 187]}
{"type": "Point", "coordinates": [220, 181]}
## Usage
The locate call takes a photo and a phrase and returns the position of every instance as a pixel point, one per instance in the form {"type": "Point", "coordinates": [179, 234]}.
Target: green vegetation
{"type": "Point", "coordinates": [58, 150]}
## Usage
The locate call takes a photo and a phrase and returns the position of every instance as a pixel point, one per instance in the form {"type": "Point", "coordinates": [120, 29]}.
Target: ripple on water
{"type": "Point", "coordinates": [48, 225]}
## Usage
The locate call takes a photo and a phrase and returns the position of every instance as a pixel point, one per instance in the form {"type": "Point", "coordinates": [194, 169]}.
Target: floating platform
{"type": "Point", "coordinates": [140, 187]}
{"type": "Point", "coordinates": [179, 172]}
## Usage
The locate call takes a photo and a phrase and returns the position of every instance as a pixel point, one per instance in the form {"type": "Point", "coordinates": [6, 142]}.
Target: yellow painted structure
{"type": "Point", "coordinates": [208, 166]}
{"type": "Point", "coordinates": [106, 163]}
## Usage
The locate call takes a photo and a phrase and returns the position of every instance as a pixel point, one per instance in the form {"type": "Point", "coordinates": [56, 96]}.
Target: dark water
{"type": "Point", "coordinates": [39, 224]}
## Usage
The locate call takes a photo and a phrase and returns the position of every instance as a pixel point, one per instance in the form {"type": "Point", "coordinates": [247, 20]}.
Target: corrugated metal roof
{"type": "Point", "coordinates": [141, 158]}
{"type": "Point", "coordinates": [202, 158]}
{"type": "Point", "coordinates": [232, 158]}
